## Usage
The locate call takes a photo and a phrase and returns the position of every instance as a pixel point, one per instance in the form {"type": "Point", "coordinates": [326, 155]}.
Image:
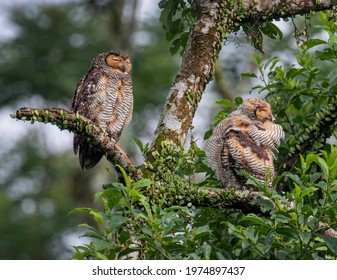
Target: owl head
{"type": "Point", "coordinates": [257, 109]}
{"type": "Point", "coordinates": [114, 59]}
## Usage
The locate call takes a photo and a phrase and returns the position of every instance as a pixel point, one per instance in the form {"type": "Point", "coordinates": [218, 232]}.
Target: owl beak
{"type": "Point", "coordinates": [124, 67]}
{"type": "Point", "coordinates": [272, 118]}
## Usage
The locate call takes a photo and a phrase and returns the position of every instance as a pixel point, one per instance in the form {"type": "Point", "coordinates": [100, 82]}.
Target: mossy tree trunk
{"type": "Point", "coordinates": [215, 20]}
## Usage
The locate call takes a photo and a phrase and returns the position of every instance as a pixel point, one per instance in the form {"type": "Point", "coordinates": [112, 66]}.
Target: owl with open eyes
{"type": "Point", "coordinates": [103, 95]}
{"type": "Point", "coordinates": [245, 141]}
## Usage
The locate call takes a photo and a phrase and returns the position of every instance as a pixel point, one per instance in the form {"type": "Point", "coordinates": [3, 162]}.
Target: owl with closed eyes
{"type": "Point", "coordinates": [103, 95]}
{"type": "Point", "coordinates": [245, 141]}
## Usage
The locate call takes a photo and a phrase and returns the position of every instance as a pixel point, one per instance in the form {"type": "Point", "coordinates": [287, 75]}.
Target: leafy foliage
{"type": "Point", "coordinates": [293, 226]}
{"type": "Point", "coordinates": [254, 33]}
{"type": "Point", "coordinates": [301, 95]}
{"type": "Point", "coordinates": [176, 18]}
{"type": "Point", "coordinates": [299, 223]}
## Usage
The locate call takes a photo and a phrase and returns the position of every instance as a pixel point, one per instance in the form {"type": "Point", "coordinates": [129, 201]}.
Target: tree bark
{"type": "Point", "coordinates": [214, 22]}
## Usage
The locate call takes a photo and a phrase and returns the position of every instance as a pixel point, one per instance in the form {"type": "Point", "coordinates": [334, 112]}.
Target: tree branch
{"type": "Point", "coordinates": [215, 20]}
{"type": "Point", "coordinates": [66, 120]}
{"type": "Point", "coordinates": [204, 197]}
{"type": "Point", "coordinates": [257, 10]}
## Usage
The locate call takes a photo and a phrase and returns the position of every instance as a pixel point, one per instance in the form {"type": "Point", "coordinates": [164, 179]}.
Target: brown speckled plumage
{"type": "Point", "coordinates": [104, 95]}
{"type": "Point", "coordinates": [245, 141]}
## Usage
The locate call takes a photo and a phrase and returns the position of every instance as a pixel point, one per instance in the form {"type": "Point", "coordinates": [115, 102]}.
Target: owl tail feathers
{"type": "Point", "coordinates": [88, 155]}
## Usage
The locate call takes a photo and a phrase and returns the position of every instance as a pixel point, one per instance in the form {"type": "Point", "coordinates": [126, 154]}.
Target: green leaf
{"type": "Point", "coordinates": [176, 44]}
{"type": "Point", "coordinates": [330, 242]}
{"type": "Point", "coordinates": [308, 191]}
{"type": "Point", "coordinates": [252, 218]}
{"type": "Point", "coordinates": [281, 216]}
{"type": "Point", "coordinates": [139, 143]}
{"type": "Point", "coordinates": [266, 205]}
{"type": "Point", "coordinates": [293, 72]}
{"type": "Point", "coordinates": [207, 249]}
{"type": "Point", "coordinates": [125, 176]}
{"type": "Point", "coordinates": [294, 177]}
{"type": "Point", "coordinates": [93, 234]}
{"type": "Point", "coordinates": [257, 59]}
{"type": "Point", "coordinates": [238, 101]}
{"type": "Point", "coordinates": [224, 103]}
{"type": "Point", "coordinates": [98, 196]}
{"type": "Point", "coordinates": [314, 42]}
{"type": "Point", "coordinates": [124, 236]}
{"type": "Point", "coordinates": [324, 167]}
{"type": "Point", "coordinates": [248, 75]}
{"type": "Point", "coordinates": [271, 63]}
{"type": "Point", "coordinates": [305, 236]}
{"type": "Point", "coordinates": [251, 234]}
{"type": "Point", "coordinates": [117, 220]}
{"type": "Point", "coordinates": [308, 161]}
{"type": "Point", "coordinates": [87, 227]}
{"type": "Point", "coordinates": [98, 216]}
{"type": "Point", "coordinates": [271, 30]}
{"type": "Point", "coordinates": [101, 256]}
{"type": "Point", "coordinates": [142, 183]}
{"type": "Point", "coordinates": [202, 231]}
{"type": "Point", "coordinates": [100, 244]}
{"type": "Point", "coordinates": [286, 231]}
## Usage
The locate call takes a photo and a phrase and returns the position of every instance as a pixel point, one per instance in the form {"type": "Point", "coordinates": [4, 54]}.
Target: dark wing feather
{"type": "Point", "coordinates": [85, 91]}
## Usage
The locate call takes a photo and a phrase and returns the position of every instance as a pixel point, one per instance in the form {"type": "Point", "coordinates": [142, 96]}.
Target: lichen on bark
{"type": "Point", "coordinates": [214, 22]}
{"type": "Point", "coordinates": [196, 70]}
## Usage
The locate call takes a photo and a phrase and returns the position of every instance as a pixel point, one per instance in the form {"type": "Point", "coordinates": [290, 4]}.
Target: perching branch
{"type": "Point", "coordinates": [204, 197]}
{"type": "Point", "coordinates": [215, 20]}
{"type": "Point", "coordinates": [66, 120]}
{"type": "Point", "coordinates": [75, 123]}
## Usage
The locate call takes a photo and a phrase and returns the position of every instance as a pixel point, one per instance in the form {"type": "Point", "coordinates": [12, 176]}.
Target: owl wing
{"type": "Point", "coordinates": [267, 134]}
{"type": "Point", "coordinates": [88, 101]}
{"type": "Point", "coordinates": [242, 153]}
{"type": "Point", "coordinates": [90, 94]}
{"type": "Point", "coordinates": [215, 147]}
{"type": "Point", "coordinates": [232, 149]}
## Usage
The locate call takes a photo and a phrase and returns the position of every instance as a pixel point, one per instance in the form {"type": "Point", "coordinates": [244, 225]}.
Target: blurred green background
{"type": "Point", "coordinates": [45, 47]}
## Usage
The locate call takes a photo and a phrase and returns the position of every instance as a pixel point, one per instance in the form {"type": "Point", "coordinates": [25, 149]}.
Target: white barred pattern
{"type": "Point", "coordinates": [244, 141]}
{"type": "Point", "coordinates": [104, 95]}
